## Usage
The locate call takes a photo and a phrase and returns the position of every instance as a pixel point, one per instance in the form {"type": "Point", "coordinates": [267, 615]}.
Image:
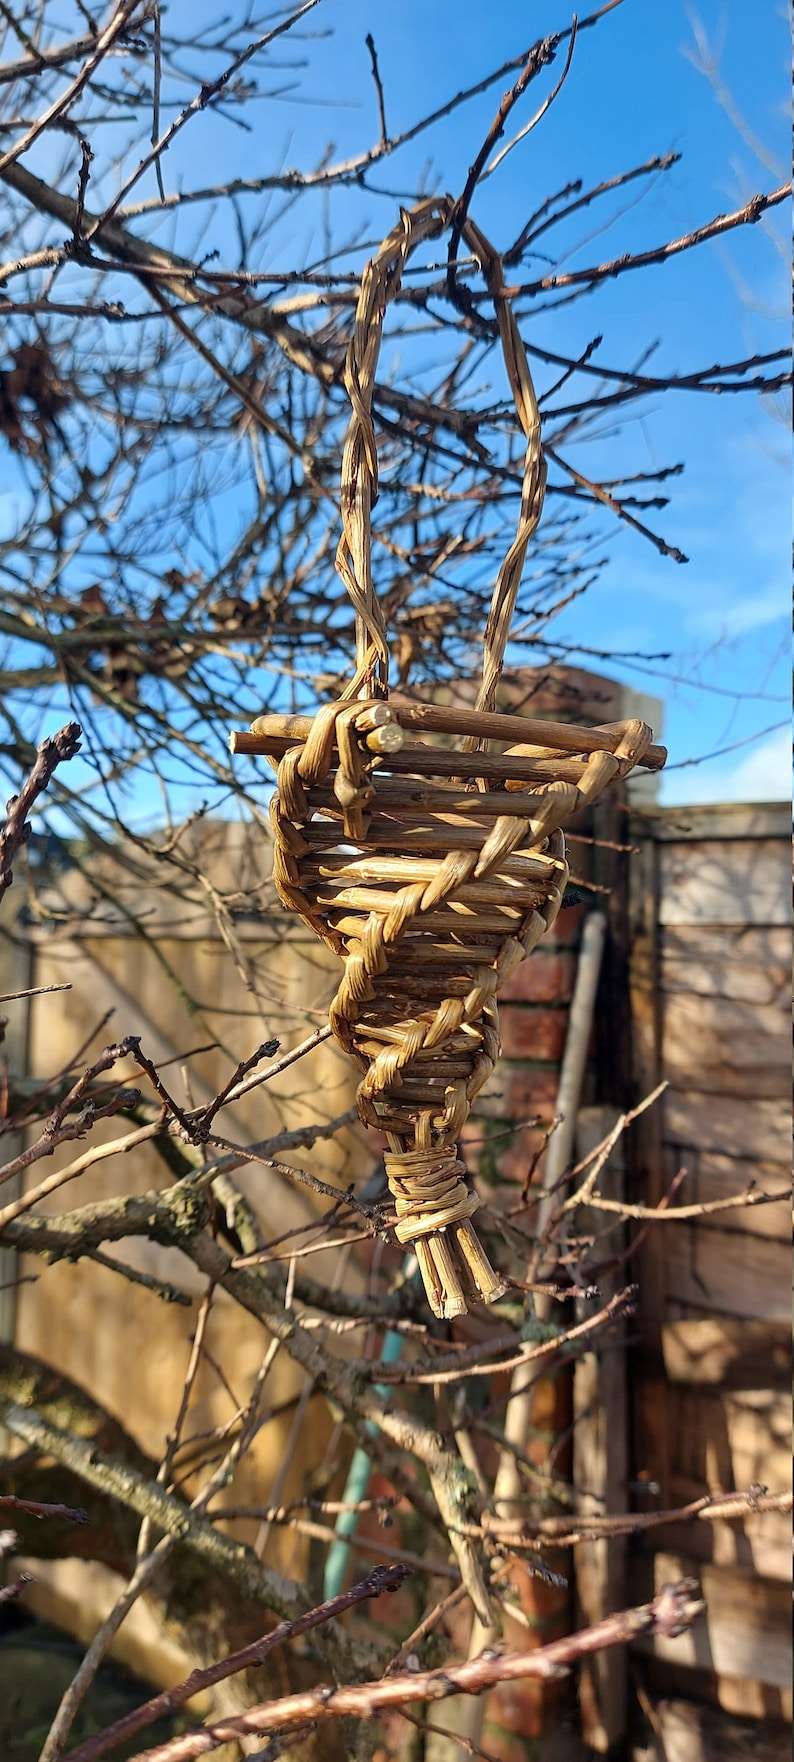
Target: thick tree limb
{"type": "Point", "coordinates": [178, 1219]}
{"type": "Point", "coordinates": [177, 274]}
{"type": "Point", "coordinates": [141, 1494]}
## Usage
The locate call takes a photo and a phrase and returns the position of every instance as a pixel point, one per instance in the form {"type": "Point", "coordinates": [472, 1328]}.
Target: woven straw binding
{"type": "Point", "coordinates": [431, 891]}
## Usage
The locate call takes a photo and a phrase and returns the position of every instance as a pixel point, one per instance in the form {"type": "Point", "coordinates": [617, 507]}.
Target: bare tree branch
{"type": "Point", "coordinates": [672, 1612]}
{"type": "Point", "coordinates": [16, 830]}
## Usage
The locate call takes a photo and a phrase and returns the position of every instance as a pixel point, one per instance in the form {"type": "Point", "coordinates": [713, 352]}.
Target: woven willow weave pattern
{"type": "Point", "coordinates": [431, 872]}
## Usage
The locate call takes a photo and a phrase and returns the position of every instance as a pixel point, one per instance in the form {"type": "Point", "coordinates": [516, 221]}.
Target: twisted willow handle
{"type": "Point", "coordinates": [359, 489]}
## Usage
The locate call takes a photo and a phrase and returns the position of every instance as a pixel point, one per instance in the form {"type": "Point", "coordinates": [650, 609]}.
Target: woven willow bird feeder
{"type": "Point", "coordinates": [430, 871]}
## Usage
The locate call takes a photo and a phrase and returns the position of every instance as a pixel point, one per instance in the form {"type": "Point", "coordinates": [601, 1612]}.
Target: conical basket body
{"type": "Point", "coordinates": [431, 873]}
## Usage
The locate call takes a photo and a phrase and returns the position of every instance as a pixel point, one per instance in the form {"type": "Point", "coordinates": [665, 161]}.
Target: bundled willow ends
{"type": "Point", "coordinates": [431, 872]}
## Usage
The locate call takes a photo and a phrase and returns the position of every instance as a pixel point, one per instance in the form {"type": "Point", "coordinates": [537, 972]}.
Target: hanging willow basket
{"type": "Point", "coordinates": [431, 872]}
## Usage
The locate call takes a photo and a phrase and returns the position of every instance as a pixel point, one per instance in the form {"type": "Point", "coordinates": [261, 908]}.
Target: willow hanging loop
{"type": "Point", "coordinates": [429, 890]}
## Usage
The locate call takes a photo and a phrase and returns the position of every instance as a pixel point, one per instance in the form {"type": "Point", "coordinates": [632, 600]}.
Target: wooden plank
{"type": "Point", "coordinates": [746, 1631]}
{"type": "Point", "coordinates": [733, 1354]}
{"type": "Point", "coordinates": [759, 1542]}
{"type": "Point", "coordinates": [16, 974]}
{"type": "Point", "coordinates": [722, 820]}
{"type": "Point", "coordinates": [690, 1732]}
{"type": "Point", "coordinates": [714, 883]}
{"type": "Point", "coordinates": [728, 1126]}
{"type": "Point", "coordinates": [727, 960]}
{"type": "Point", "coordinates": [129, 1329]}
{"type": "Point", "coordinates": [645, 1139]}
{"type": "Point", "coordinates": [732, 1274]}
{"type": "Point", "coordinates": [709, 1412]}
{"type": "Point", "coordinates": [601, 1467]}
{"type": "Point", "coordinates": [76, 1595]}
{"type": "Point", "coordinates": [694, 1440]}
{"type": "Point", "coordinates": [740, 1696]}
{"type": "Point", "coordinates": [713, 1177]}
{"type": "Point", "coordinates": [717, 1078]}
{"type": "Point", "coordinates": [725, 1045]}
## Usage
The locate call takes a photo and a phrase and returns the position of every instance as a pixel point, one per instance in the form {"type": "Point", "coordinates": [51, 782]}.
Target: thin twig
{"type": "Point", "coordinates": [384, 133]}
{"type": "Point", "coordinates": [316, 1038]}
{"type": "Point", "coordinates": [17, 1586]}
{"type": "Point", "coordinates": [96, 1154]}
{"type": "Point", "coordinates": [483, 1358]}
{"type": "Point", "coordinates": [744, 1201]}
{"type": "Point", "coordinates": [148, 1561]}
{"type": "Point", "coordinates": [602, 495]}
{"type": "Point", "coordinates": [104, 42]}
{"type": "Point", "coordinates": [33, 991]}
{"type": "Point", "coordinates": [564, 1532]}
{"type": "Point", "coordinates": [747, 215]}
{"type": "Point", "coordinates": [161, 1288]}
{"type": "Point", "coordinates": [430, 1621]}
{"type": "Point", "coordinates": [145, 1569]}
{"type": "Point", "coordinates": [541, 111]}
{"type": "Point", "coordinates": [16, 830]}
{"type": "Point", "coordinates": [539, 57]}
{"type": "Point", "coordinates": [203, 97]}
{"type": "Point", "coordinates": [133, 1044]}
{"type": "Point", "coordinates": [542, 219]}
{"type": "Point", "coordinates": [206, 1116]}
{"type": "Point", "coordinates": [156, 84]}
{"type": "Point", "coordinates": [86, 156]}
{"type": "Point", "coordinates": [35, 1508]}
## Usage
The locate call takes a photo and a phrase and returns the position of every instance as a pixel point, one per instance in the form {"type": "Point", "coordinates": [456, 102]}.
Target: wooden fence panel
{"type": "Point", "coordinates": [710, 984]}
{"type": "Point", "coordinates": [712, 882]}
{"type": "Point", "coordinates": [179, 991]}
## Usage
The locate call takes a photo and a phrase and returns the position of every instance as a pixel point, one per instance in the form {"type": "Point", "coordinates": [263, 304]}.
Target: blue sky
{"type": "Point", "coordinates": [633, 91]}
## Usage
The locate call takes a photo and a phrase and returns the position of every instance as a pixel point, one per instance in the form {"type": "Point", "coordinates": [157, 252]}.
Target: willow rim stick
{"type": "Point", "coordinates": [440, 719]}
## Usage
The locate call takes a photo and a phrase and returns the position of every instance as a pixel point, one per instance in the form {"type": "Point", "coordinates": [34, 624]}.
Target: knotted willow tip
{"type": "Point", "coordinates": [431, 872]}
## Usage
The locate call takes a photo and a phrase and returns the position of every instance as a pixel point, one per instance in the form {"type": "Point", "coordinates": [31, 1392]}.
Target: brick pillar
{"type": "Point", "coordinates": [505, 1133]}
{"type": "Point", "coordinates": [506, 1130]}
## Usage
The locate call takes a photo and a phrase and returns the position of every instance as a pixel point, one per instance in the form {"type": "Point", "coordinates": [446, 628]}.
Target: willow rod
{"type": "Point", "coordinates": [434, 761]}
{"type": "Point", "coordinates": [487, 725]}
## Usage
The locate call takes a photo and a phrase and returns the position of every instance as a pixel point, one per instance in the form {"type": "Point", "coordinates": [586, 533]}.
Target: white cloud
{"type": "Point", "coordinates": [765, 772]}
{"type": "Point", "coordinates": [762, 773]}
{"type": "Point", "coordinates": [751, 613]}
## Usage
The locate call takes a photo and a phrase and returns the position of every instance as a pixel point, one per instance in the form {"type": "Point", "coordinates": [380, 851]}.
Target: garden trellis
{"type": "Point", "coordinates": [431, 870]}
